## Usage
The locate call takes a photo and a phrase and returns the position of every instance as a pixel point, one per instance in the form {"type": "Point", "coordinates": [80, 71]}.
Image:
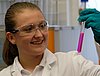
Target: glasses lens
{"type": "Point", "coordinates": [31, 28]}
{"type": "Point", "coordinates": [26, 30]}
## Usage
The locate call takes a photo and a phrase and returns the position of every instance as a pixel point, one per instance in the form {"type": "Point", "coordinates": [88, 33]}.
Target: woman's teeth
{"type": "Point", "coordinates": [36, 42]}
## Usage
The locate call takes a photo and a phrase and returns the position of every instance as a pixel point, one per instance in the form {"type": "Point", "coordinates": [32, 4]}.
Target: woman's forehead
{"type": "Point", "coordinates": [29, 16]}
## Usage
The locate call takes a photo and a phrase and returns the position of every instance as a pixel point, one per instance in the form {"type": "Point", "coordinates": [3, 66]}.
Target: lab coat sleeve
{"type": "Point", "coordinates": [86, 67]}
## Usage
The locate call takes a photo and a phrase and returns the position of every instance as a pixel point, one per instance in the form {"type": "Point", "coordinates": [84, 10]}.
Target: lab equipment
{"type": "Point", "coordinates": [80, 42]}
{"type": "Point", "coordinates": [82, 24]}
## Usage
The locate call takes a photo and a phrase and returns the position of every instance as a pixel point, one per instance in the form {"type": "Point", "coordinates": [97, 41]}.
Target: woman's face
{"type": "Point", "coordinates": [36, 42]}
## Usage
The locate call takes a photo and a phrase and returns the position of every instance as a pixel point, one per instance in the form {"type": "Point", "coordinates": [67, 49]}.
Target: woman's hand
{"type": "Point", "coordinates": [92, 19]}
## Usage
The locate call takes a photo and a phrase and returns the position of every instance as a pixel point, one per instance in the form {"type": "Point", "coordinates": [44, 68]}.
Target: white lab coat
{"type": "Point", "coordinates": [62, 64]}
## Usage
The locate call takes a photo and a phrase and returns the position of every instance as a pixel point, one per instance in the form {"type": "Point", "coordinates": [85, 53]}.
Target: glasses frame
{"type": "Point", "coordinates": [18, 29]}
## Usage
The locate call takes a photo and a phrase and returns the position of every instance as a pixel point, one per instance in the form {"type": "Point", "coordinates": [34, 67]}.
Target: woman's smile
{"type": "Point", "coordinates": [37, 42]}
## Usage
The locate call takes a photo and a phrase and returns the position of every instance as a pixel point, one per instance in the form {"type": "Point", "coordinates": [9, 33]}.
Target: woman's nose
{"type": "Point", "coordinates": [38, 33]}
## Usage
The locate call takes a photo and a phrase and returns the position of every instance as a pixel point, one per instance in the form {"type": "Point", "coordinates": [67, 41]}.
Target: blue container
{"type": "Point", "coordinates": [84, 0]}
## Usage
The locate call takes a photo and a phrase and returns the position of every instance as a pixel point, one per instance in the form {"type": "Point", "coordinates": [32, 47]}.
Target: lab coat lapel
{"type": "Point", "coordinates": [47, 70]}
{"type": "Point", "coordinates": [50, 61]}
{"type": "Point", "coordinates": [15, 73]}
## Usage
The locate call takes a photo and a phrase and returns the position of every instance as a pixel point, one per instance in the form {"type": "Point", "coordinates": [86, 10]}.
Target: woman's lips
{"type": "Point", "coordinates": [36, 42]}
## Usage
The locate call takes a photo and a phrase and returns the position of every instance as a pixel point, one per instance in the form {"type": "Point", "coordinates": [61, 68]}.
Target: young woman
{"type": "Point", "coordinates": [25, 48]}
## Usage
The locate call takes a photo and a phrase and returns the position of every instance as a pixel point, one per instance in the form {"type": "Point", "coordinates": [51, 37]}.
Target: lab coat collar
{"type": "Point", "coordinates": [49, 58]}
{"type": "Point", "coordinates": [50, 61]}
{"type": "Point", "coordinates": [14, 70]}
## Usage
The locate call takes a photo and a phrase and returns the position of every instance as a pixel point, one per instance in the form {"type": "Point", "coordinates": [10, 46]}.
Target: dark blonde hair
{"type": "Point", "coordinates": [10, 51]}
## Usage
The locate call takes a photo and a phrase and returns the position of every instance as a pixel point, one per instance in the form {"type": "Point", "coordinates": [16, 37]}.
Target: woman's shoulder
{"type": "Point", "coordinates": [66, 54]}
{"type": "Point", "coordinates": [69, 56]}
{"type": "Point", "coordinates": [65, 59]}
{"type": "Point", "coordinates": [5, 71]}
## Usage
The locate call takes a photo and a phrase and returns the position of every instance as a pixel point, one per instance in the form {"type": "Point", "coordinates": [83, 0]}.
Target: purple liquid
{"type": "Point", "coordinates": [80, 42]}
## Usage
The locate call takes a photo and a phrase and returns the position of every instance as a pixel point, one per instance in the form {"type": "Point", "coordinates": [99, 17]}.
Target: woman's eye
{"type": "Point", "coordinates": [43, 25]}
{"type": "Point", "coordinates": [28, 28]}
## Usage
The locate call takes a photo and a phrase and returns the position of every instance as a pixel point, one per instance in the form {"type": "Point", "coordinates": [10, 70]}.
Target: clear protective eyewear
{"type": "Point", "coordinates": [30, 29]}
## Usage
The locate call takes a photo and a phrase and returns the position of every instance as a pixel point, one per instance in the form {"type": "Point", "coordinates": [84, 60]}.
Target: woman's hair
{"type": "Point", "coordinates": [10, 51]}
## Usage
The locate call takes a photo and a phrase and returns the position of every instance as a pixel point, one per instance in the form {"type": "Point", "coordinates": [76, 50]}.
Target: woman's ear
{"type": "Point", "coordinates": [10, 37]}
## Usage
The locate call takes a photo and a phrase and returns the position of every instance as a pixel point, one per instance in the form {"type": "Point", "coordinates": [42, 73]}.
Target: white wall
{"type": "Point", "coordinates": [93, 4]}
